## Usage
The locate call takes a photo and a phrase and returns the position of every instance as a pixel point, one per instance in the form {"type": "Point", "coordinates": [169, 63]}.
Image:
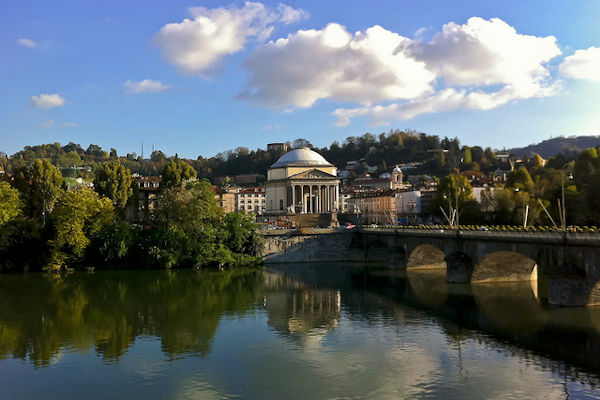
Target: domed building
{"type": "Point", "coordinates": [302, 182]}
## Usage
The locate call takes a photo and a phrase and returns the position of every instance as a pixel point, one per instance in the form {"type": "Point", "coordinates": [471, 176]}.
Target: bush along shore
{"type": "Point", "coordinates": [45, 227]}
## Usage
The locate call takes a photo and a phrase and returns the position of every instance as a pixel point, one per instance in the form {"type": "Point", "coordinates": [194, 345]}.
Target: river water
{"type": "Point", "coordinates": [306, 331]}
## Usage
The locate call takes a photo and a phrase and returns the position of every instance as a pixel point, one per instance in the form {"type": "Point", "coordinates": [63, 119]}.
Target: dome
{"type": "Point", "coordinates": [304, 157]}
{"type": "Point", "coordinates": [397, 169]}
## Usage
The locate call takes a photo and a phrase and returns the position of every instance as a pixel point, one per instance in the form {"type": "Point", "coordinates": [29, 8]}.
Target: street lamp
{"type": "Point", "coordinates": [525, 210]}
{"type": "Point", "coordinates": [450, 215]}
{"type": "Point", "coordinates": [563, 211]}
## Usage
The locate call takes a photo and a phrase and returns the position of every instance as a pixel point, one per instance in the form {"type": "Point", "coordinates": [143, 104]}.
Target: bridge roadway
{"type": "Point", "coordinates": [569, 261]}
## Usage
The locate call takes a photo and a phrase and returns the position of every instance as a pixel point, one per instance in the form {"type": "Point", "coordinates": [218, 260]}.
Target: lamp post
{"type": "Point", "coordinates": [525, 210]}
{"type": "Point", "coordinates": [563, 214]}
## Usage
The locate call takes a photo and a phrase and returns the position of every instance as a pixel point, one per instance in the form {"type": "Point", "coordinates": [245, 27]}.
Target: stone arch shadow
{"type": "Point", "coordinates": [382, 250]}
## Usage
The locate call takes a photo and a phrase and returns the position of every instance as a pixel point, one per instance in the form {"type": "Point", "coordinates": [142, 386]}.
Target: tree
{"type": "Point", "coordinates": [536, 161]}
{"type": "Point", "coordinates": [11, 205]}
{"type": "Point", "coordinates": [176, 173]}
{"type": "Point", "coordinates": [186, 228]}
{"type": "Point", "coordinates": [452, 189]}
{"type": "Point", "coordinates": [79, 215]}
{"type": "Point", "coordinates": [240, 234]}
{"type": "Point", "coordinates": [157, 156]}
{"type": "Point", "coordinates": [95, 150]}
{"type": "Point", "coordinates": [41, 184]}
{"type": "Point", "coordinates": [114, 181]}
{"type": "Point", "coordinates": [301, 143]}
{"type": "Point", "coordinates": [467, 158]}
{"type": "Point", "coordinates": [520, 179]}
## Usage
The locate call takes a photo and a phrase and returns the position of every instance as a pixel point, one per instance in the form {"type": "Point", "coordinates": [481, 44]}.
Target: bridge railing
{"type": "Point", "coordinates": [512, 234]}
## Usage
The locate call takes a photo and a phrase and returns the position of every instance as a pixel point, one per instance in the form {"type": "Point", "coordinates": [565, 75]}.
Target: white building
{"type": "Point", "coordinates": [408, 203]}
{"type": "Point", "coordinates": [251, 200]}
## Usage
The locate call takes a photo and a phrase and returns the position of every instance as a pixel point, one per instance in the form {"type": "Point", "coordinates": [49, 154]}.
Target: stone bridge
{"type": "Point", "coordinates": [571, 262]}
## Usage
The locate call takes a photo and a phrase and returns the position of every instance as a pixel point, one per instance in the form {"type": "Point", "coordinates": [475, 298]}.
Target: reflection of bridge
{"type": "Point", "coordinates": [571, 262]}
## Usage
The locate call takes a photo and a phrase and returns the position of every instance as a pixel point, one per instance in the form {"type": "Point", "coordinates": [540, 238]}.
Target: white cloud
{"type": "Point", "coordinates": [584, 64]}
{"type": "Point", "coordinates": [289, 15]}
{"type": "Point", "coordinates": [68, 124]}
{"type": "Point", "coordinates": [197, 46]}
{"type": "Point", "coordinates": [145, 86]}
{"type": "Point", "coordinates": [333, 63]}
{"type": "Point", "coordinates": [444, 100]}
{"type": "Point", "coordinates": [27, 43]}
{"type": "Point", "coordinates": [483, 52]}
{"type": "Point", "coordinates": [47, 101]}
{"type": "Point", "coordinates": [479, 65]}
{"type": "Point", "coordinates": [46, 124]}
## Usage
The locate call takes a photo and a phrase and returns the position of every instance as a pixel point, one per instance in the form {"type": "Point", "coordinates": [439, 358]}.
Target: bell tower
{"type": "Point", "coordinates": [396, 177]}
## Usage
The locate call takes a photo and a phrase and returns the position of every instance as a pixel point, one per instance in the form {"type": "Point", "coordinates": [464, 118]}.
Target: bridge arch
{"type": "Point", "coordinates": [426, 256]}
{"type": "Point", "coordinates": [504, 266]}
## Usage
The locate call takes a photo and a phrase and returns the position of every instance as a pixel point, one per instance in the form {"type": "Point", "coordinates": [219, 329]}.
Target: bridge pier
{"type": "Point", "coordinates": [459, 268]}
{"type": "Point", "coordinates": [570, 287]}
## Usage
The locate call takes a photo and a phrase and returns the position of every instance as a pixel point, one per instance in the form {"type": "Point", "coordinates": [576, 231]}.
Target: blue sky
{"type": "Point", "coordinates": [197, 81]}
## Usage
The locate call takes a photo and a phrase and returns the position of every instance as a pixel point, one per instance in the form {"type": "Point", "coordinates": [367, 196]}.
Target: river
{"type": "Point", "coordinates": [302, 331]}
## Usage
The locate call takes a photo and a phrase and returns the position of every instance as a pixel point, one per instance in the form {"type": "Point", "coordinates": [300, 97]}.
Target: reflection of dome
{"type": "Point", "coordinates": [302, 158]}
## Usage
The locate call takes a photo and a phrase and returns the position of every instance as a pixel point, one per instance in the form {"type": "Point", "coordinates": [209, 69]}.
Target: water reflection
{"type": "Point", "coordinates": [334, 330]}
{"type": "Point", "coordinates": [41, 315]}
{"type": "Point", "coordinates": [303, 311]}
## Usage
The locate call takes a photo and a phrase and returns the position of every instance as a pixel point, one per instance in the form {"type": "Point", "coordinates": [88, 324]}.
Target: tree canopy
{"type": "Point", "coordinates": [176, 172]}
{"type": "Point", "coordinates": [41, 184]}
{"type": "Point", "coordinates": [114, 181]}
{"type": "Point", "coordinates": [11, 205]}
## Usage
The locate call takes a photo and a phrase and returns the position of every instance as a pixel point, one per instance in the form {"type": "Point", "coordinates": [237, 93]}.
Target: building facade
{"type": "Point", "coordinates": [374, 206]}
{"type": "Point", "coordinates": [301, 182]}
{"type": "Point", "coordinates": [226, 198]}
{"type": "Point", "coordinates": [251, 200]}
{"type": "Point", "coordinates": [143, 201]}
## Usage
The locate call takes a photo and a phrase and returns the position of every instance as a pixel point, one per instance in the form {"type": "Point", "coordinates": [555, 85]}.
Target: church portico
{"type": "Point", "coordinates": [313, 197]}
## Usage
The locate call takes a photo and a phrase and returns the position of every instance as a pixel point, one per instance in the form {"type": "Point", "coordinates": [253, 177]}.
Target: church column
{"type": "Point", "coordinates": [302, 199]}
{"type": "Point", "coordinates": [318, 199]}
{"type": "Point", "coordinates": [337, 198]}
{"type": "Point", "coordinates": [310, 197]}
{"type": "Point", "coordinates": [294, 198]}
{"type": "Point", "coordinates": [322, 202]}
{"type": "Point", "coordinates": [328, 198]}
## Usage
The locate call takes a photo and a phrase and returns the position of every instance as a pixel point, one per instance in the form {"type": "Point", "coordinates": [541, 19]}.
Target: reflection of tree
{"type": "Point", "coordinates": [40, 315]}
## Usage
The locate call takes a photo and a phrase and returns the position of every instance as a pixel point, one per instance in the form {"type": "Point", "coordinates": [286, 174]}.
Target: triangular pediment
{"type": "Point", "coordinates": [312, 174]}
